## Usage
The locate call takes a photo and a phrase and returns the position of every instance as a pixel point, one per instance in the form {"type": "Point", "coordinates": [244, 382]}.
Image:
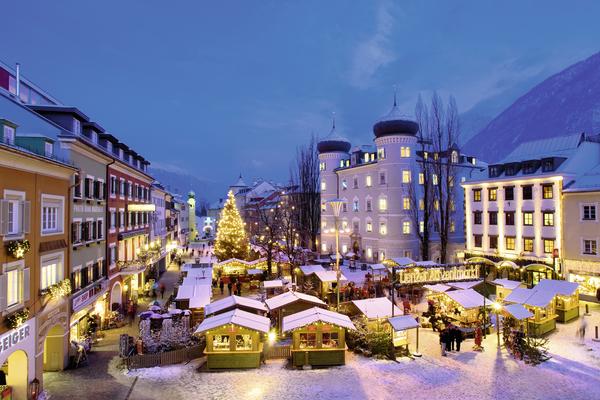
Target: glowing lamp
{"type": "Point", "coordinates": [272, 336]}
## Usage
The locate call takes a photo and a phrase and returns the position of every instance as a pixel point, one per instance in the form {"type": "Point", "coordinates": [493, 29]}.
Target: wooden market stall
{"type": "Point", "coordinates": [305, 273]}
{"type": "Point", "coordinates": [504, 287]}
{"type": "Point", "coordinates": [193, 298]}
{"type": "Point", "coordinates": [541, 304]}
{"type": "Point", "coordinates": [289, 303]}
{"type": "Point", "coordinates": [272, 287]}
{"type": "Point", "coordinates": [235, 302]}
{"type": "Point", "coordinates": [566, 298]}
{"type": "Point", "coordinates": [326, 281]}
{"type": "Point", "coordinates": [318, 337]}
{"type": "Point", "coordinates": [374, 311]}
{"type": "Point", "coordinates": [463, 306]}
{"type": "Point", "coordinates": [400, 325]}
{"type": "Point", "coordinates": [234, 339]}
{"type": "Point", "coordinates": [519, 313]}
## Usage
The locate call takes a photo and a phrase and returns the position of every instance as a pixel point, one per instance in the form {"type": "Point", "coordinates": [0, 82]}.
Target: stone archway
{"type": "Point", "coordinates": [17, 375]}
{"type": "Point", "coordinates": [116, 295]}
{"type": "Point", "coordinates": [54, 349]}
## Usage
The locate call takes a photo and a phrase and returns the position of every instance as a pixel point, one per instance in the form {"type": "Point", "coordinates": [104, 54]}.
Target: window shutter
{"type": "Point", "coordinates": [100, 233]}
{"type": "Point", "coordinates": [26, 286]}
{"type": "Point", "coordinates": [103, 191]}
{"type": "Point", "coordinates": [3, 217]}
{"type": "Point", "coordinates": [26, 216]}
{"type": "Point", "coordinates": [73, 232]}
{"type": "Point", "coordinates": [3, 288]}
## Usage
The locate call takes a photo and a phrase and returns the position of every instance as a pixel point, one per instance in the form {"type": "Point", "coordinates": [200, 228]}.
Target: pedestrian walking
{"type": "Point", "coordinates": [221, 285]}
{"type": "Point", "coordinates": [154, 288]}
{"type": "Point", "coordinates": [458, 338]}
{"type": "Point", "coordinates": [239, 288]}
{"type": "Point", "coordinates": [449, 338]}
{"type": "Point", "coordinates": [229, 286]}
{"type": "Point", "coordinates": [443, 336]}
{"type": "Point", "coordinates": [478, 339]}
{"type": "Point", "coordinates": [162, 290]}
{"type": "Point", "coordinates": [130, 312]}
{"type": "Point", "coordinates": [582, 328]}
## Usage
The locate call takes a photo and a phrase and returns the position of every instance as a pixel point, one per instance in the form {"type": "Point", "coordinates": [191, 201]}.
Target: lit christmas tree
{"type": "Point", "coordinates": [232, 241]}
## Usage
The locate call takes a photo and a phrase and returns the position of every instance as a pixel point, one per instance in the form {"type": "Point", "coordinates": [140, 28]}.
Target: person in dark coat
{"type": "Point", "coordinates": [458, 337]}
{"type": "Point", "coordinates": [229, 286]}
{"type": "Point", "coordinates": [221, 285]}
{"type": "Point", "coordinates": [443, 340]}
{"type": "Point", "coordinates": [450, 338]}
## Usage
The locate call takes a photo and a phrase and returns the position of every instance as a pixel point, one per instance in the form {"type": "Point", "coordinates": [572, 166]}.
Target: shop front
{"type": "Point", "coordinates": [89, 308]}
{"type": "Point", "coordinates": [17, 357]}
{"type": "Point", "coordinates": [587, 275]}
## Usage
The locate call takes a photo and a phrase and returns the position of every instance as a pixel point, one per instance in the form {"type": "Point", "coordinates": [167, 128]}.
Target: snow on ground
{"type": "Point", "coordinates": [573, 373]}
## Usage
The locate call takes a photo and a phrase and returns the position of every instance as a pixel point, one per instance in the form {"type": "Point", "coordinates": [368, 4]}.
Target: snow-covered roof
{"type": "Point", "coordinates": [559, 146]}
{"type": "Point", "coordinates": [197, 280]}
{"type": "Point", "coordinates": [468, 298]}
{"type": "Point", "coordinates": [401, 261]}
{"type": "Point", "coordinates": [291, 297]}
{"type": "Point", "coordinates": [311, 269]}
{"type": "Point", "coordinates": [589, 181]}
{"type": "Point", "coordinates": [426, 264]}
{"type": "Point", "coordinates": [273, 284]}
{"type": "Point", "coordinates": [564, 288]}
{"type": "Point", "coordinates": [438, 287]}
{"type": "Point", "coordinates": [379, 307]}
{"type": "Point", "coordinates": [236, 317]}
{"type": "Point", "coordinates": [518, 311]}
{"type": "Point", "coordinates": [464, 284]}
{"type": "Point", "coordinates": [532, 297]}
{"type": "Point", "coordinates": [233, 301]}
{"type": "Point", "coordinates": [403, 322]}
{"type": "Point", "coordinates": [518, 295]}
{"type": "Point", "coordinates": [198, 295]}
{"type": "Point", "coordinates": [316, 314]}
{"type": "Point", "coordinates": [329, 276]}
{"type": "Point", "coordinates": [507, 283]}
{"type": "Point", "coordinates": [377, 267]}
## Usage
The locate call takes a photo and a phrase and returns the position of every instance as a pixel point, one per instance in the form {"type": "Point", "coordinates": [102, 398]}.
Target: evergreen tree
{"type": "Point", "coordinates": [232, 241]}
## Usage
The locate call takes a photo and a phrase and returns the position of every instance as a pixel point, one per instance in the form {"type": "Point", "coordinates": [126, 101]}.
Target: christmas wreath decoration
{"type": "Point", "coordinates": [18, 248]}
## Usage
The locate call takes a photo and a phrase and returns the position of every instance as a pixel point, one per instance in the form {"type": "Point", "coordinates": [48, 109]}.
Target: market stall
{"type": "Point", "coordinates": [234, 339]}
{"type": "Point", "coordinates": [463, 306]}
{"type": "Point", "coordinates": [235, 302]}
{"type": "Point", "coordinates": [194, 298]}
{"type": "Point", "coordinates": [541, 304]}
{"type": "Point", "coordinates": [566, 299]}
{"type": "Point", "coordinates": [327, 281]}
{"type": "Point", "coordinates": [375, 311]}
{"type": "Point", "coordinates": [273, 287]}
{"type": "Point", "coordinates": [504, 287]}
{"type": "Point", "coordinates": [306, 273]}
{"type": "Point", "coordinates": [289, 303]}
{"type": "Point", "coordinates": [400, 325]}
{"type": "Point", "coordinates": [318, 337]}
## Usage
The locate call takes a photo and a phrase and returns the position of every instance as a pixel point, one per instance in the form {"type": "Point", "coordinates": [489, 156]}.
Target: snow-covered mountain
{"type": "Point", "coordinates": [566, 103]}
{"type": "Point", "coordinates": [179, 181]}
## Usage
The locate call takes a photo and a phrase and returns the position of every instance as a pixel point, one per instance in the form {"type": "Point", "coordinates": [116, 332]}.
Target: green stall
{"type": "Point", "coordinates": [541, 304]}
{"type": "Point", "coordinates": [566, 298]}
{"type": "Point", "coordinates": [318, 337]}
{"type": "Point", "coordinates": [290, 303]}
{"type": "Point", "coordinates": [234, 339]}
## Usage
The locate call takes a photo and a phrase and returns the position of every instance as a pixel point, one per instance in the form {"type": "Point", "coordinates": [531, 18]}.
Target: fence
{"type": "Point", "coordinates": [166, 358]}
{"type": "Point", "coordinates": [272, 352]}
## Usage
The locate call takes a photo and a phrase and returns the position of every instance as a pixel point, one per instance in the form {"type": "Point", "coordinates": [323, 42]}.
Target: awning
{"type": "Point", "coordinates": [517, 311]}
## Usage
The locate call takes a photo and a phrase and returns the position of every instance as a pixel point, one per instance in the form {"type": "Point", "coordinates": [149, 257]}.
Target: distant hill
{"type": "Point", "coordinates": [180, 182]}
{"type": "Point", "coordinates": [564, 104]}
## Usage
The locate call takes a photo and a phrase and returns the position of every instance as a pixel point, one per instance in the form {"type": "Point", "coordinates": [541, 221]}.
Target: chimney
{"type": "Point", "coordinates": [18, 79]}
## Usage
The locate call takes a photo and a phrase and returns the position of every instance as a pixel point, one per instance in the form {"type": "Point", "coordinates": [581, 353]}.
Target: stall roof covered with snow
{"type": "Point", "coordinates": [234, 302]}
{"type": "Point", "coordinates": [461, 285]}
{"type": "Point", "coordinates": [564, 288]}
{"type": "Point", "coordinates": [438, 288]}
{"type": "Point", "coordinates": [311, 269]}
{"type": "Point", "coordinates": [314, 315]}
{"type": "Point", "coordinates": [379, 307]}
{"type": "Point", "coordinates": [198, 295]}
{"type": "Point", "coordinates": [468, 298]}
{"type": "Point", "coordinates": [531, 297]}
{"type": "Point", "coordinates": [403, 322]}
{"type": "Point", "coordinates": [274, 284]}
{"type": "Point", "coordinates": [507, 283]}
{"type": "Point", "coordinates": [401, 262]}
{"type": "Point", "coordinates": [518, 311]}
{"type": "Point", "coordinates": [236, 317]}
{"type": "Point", "coordinates": [290, 297]}
{"type": "Point", "coordinates": [329, 276]}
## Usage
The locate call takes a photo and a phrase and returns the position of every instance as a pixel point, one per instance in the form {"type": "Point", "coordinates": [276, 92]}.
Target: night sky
{"type": "Point", "coordinates": [226, 87]}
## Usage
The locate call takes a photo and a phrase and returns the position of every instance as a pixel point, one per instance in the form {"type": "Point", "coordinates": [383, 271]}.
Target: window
{"type": "Point", "coordinates": [243, 342]}
{"type": "Point", "coordinates": [454, 157]}
{"type": "Point", "coordinates": [368, 205]}
{"type": "Point", "coordinates": [355, 206]}
{"type": "Point", "coordinates": [76, 126]}
{"type": "Point", "coordinates": [547, 191]}
{"type": "Point", "coordinates": [405, 176]}
{"type": "Point", "coordinates": [9, 134]}
{"type": "Point", "coordinates": [76, 232]}
{"type": "Point", "coordinates": [527, 192]}
{"type": "Point", "coordinates": [355, 226]}
{"type": "Point", "coordinates": [368, 182]}
{"type": "Point", "coordinates": [383, 228]}
{"type": "Point", "coordinates": [77, 186]}
{"type": "Point", "coordinates": [323, 207]}
{"type": "Point", "coordinates": [510, 243]}
{"type": "Point", "coordinates": [344, 207]}
{"type": "Point", "coordinates": [528, 218]}
{"type": "Point", "coordinates": [113, 219]}
{"type": "Point", "coordinates": [493, 242]}
{"type": "Point", "coordinates": [129, 190]}
{"type": "Point", "coordinates": [323, 186]}
{"type": "Point", "coordinates": [421, 226]}
{"type": "Point", "coordinates": [382, 179]}
{"type": "Point", "coordinates": [381, 153]}
{"type": "Point", "coordinates": [122, 218]}
{"type": "Point", "coordinates": [492, 194]}
{"type": "Point", "coordinates": [369, 227]}
{"type": "Point", "coordinates": [308, 340]}
{"type": "Point", "coordinates": [548, 218]}
{"type": "Point", "coordinates": [330, 340]}
{"type": "Point", "coordinates": [406, 227]}
{"type": "Point", "coordinates": [528, 244]}
{"type": "Point", "coordinates": [382, 204]}
{"type": "Point", "coordinates": [48, 149]}
{"type": "Point", "coordinates": [122, 186]}
{"type": "Point", "coordinates": [477, 240]}
{"type": "Point", "coordinates": [344, 184]}
{"type": "Point", "coordinates": [113, 186]}
{"type": "Point", "coordinates": [404, 151]}
{"type": "Point", "coordinates": [435, 179]}
{"type": "Point", "coordinates": [477, 195]}
{"type": "Point", "coordinates": [52, 269]}
{"type": "Point", "coordinates": [436, 204]}
{"type": "Point", "coordinates": [406, 203]}
{"type": "Point", "coordinates": [493, 217]}
{"type": "Point", "coordinates": [477, 217]}
{"type": "Point", "coordinates": [590, 247]}
{"type": "Point", "coordinates": [548, 165]}
{"type": "Point", "coordinates": [588, 212]}
{"type": "Point", "coordinates": [421, 178]}
{"type": "Point", "coordinates": [452, 226]}
{"type": "Point", "coordinates": [421, 204]}
{"type": "Point", "coordinates": [221, 343]}
{"type": "Point", "coordinates": [509, 193]}
{"type": "Point", "coordinates": [52, 214]}
{"type": "Point", "coordinates": [548, 246]}
{"type": "Point", "coordinates": [510, 217]}
{"type": "Point", "coordinates": [355, 182]}
{"type": "Point", "coordinates": [322, 166]}
{"type": "Point", "coordinates": [17, 283]}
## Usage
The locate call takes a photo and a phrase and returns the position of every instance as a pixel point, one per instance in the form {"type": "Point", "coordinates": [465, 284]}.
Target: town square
{"type": "Point", "coordinates": [299, 200]}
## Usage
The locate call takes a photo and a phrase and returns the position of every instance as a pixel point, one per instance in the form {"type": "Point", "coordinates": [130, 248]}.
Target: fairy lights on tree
{"type": "Point", "coordinates": [232, 241]}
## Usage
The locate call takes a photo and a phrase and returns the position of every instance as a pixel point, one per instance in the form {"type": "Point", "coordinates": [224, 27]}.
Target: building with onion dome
{"type": "Point", "coordinates": [376, 182]}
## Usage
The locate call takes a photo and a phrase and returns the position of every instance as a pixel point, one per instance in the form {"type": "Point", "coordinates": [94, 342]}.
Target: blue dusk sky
{"type": "Point", "coordinates": [219, 88]}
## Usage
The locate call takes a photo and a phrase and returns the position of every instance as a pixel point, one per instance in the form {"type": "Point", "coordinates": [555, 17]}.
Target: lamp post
{"type": "Point", "coordinates": [336, 206]}
{"type": "Point", "coordinates": [497, 307]}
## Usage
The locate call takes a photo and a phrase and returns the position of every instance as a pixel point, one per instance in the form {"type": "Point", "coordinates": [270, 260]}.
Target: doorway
{"type": "Point", "coordinates": [16, 370]}
{"type": "Point", "coordinates": [54, 349]}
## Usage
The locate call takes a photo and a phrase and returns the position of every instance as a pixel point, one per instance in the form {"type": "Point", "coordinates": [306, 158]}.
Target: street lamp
{"type": "Point", "coordinates": [497, 307]}
{"type": "Point", "coordinates": [336, 206]}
